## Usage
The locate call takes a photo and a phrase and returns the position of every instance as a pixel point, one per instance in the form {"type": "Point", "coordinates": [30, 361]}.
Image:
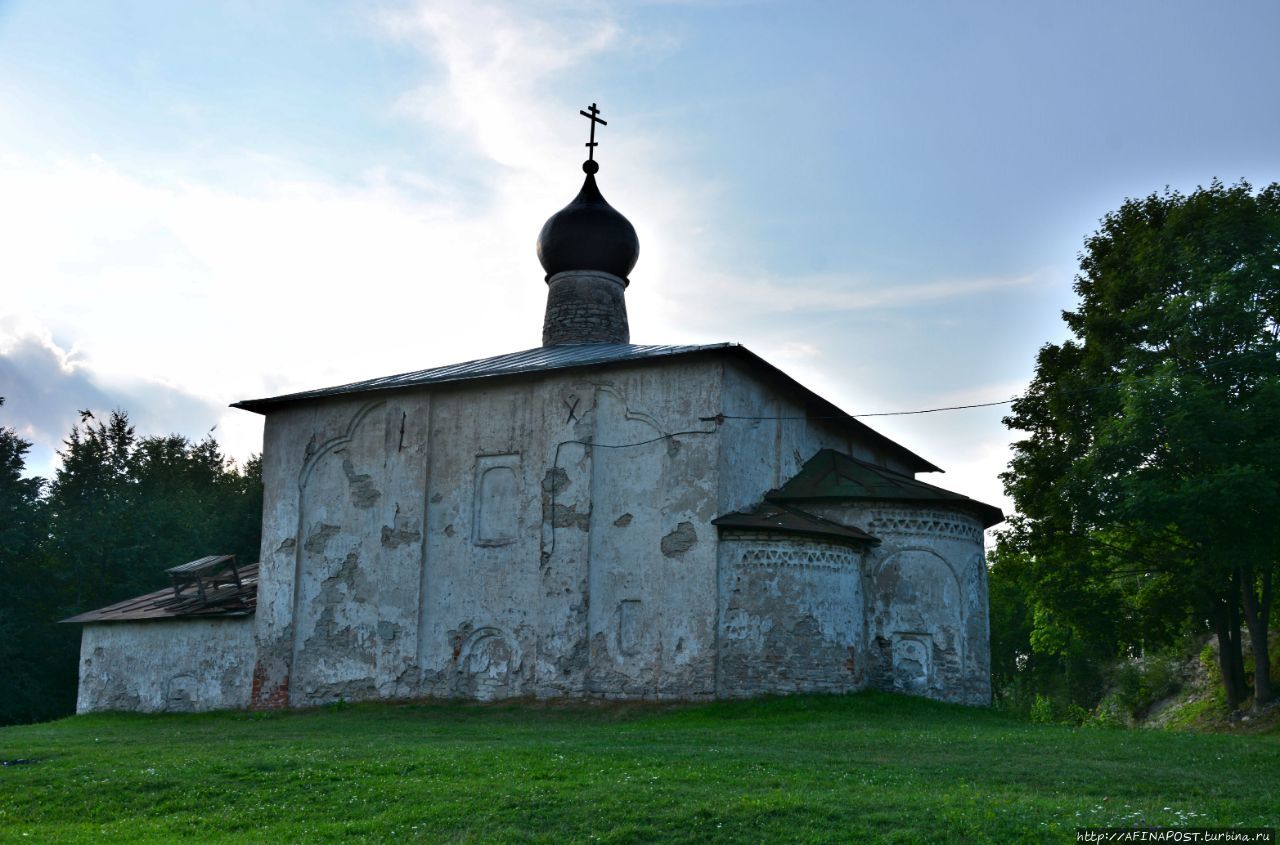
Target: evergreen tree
{"type": "Point", "coordinates": [24, 599]}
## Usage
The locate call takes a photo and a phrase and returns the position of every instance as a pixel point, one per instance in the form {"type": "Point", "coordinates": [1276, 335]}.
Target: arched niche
{"type": "Point", "coordinates": [497, 502]}
{"type": "Point", "coordinates": [919, 614]}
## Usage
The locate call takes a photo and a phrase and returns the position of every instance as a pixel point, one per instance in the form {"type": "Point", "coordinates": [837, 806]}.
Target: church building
{"type": "Point", "coordinates": [591, 518]}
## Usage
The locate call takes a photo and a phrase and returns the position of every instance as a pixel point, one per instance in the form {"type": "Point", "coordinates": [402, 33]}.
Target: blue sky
{"type": "Point", "coordinates": [203, 202]}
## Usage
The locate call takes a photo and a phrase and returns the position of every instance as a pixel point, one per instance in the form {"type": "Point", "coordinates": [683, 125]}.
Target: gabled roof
{"type": "Point", "coordinates": [545, 359]}
{"type": "Point", "coordinates": [783, 519]}
{"type": "Point", "coordinates": [225, 600]}
{"type": "Point", "coordinates": [833, 475]}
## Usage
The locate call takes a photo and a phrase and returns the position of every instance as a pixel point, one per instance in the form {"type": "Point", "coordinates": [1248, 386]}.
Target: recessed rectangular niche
{"type": "Point", "coordinates": [629, 626]}
{"type": "Point", "coordinates": [496, 515]}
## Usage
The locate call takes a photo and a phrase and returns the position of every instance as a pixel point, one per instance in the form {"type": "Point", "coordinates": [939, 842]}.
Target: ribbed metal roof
{"type": "Point", "coordinates": [537, 360]}
{"type": "Point", "coordinates": [544, 359]}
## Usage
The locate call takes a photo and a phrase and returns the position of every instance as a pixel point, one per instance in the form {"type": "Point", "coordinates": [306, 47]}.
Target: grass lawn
{"type": "Point", "coordinates": [865, 768]}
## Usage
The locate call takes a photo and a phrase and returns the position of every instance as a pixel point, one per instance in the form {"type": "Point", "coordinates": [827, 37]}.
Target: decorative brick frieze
{"type": "Point", "coordinates": [927, 523]}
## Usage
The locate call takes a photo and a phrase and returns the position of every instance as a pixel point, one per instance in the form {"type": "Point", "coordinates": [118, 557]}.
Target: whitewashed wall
{"type": "Point", "coordinates": [181, 665]}
{"type": "Point", "coordinates": [466, 541]}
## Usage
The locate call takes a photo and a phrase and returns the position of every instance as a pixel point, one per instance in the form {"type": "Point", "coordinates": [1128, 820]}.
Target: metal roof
{"type": "Point", "coordinates": [537, 360]}
{"type": "Point", "coordinates": [544, 359]}
{"type": "Point", "coordinates": [223, 600]}
{"type": "Point", "coordinates": [833, 475]}
{"type": "Point", "coordinates": [783, 519]}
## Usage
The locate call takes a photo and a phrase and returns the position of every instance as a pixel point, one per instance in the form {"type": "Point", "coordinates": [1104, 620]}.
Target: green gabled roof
{"type": "Point", "coordinates": [834, 475]}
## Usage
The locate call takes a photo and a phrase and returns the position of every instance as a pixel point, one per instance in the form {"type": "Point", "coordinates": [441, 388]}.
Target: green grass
{"type": "Point", "coordinates": [871, 767]}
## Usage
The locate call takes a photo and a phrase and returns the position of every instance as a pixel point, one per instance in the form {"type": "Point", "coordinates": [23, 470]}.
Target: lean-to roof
{"type": "Point", "coordinates": [782, 519]}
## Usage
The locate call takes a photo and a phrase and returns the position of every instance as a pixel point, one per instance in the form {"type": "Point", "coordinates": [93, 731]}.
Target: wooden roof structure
{"type": "Point", "coordinates": [217, 593]}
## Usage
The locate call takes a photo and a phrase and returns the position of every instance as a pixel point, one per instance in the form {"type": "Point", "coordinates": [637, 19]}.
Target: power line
{"type": "Point", "coordinates": [553, 481]}
{"type": "Point", "coordinates": [877, 414]}
{"type": "Point", "coordinates": [1093, 389]}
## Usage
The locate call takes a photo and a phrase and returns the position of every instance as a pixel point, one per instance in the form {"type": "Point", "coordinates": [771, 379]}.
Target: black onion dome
{"type": "Point", "coordinates": [588, 234]}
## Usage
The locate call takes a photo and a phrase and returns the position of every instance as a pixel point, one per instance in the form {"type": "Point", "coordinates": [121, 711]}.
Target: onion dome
{"type": "Point", "coordinates": [588, 234]}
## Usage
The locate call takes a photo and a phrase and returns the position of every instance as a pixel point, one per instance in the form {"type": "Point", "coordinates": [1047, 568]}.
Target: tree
{"type": "Point", "coordinates": [19, 498]}
{"type": "Point", "coordinates": [22, 600]}
{"type": "Point", "coordinates": [124, 509]}
{"type": "Point", "coordinates": [119, 511]}
{"type": "Point", "coordinates": [1148, 482]}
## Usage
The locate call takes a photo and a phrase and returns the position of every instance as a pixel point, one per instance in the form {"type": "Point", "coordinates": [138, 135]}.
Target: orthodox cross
{"type": "Point", "coordinates": [592, 116]}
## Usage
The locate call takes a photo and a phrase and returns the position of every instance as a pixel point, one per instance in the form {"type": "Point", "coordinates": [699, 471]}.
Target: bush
{"type": "Point", "coordinates": [1110, 713]}
{"type": "Point", "coordinates": [1042, 711]}
{"type": "Point", "coordinates": [1137, 684]}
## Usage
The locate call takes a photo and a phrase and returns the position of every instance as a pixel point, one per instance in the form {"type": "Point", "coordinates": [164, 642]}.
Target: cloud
{"type": "Point", "coordinates": [497, 64]}
{"type": "Point", "coordinates": [289, 279]}
{"type": "Point", "coordinates": [45, 387]}
{"type": "Point", "coordinates": [850, 292]}
{"type": "Point", "coordinates": [174, 291]}
{"type": "Point", "coordinates": [286, 278]}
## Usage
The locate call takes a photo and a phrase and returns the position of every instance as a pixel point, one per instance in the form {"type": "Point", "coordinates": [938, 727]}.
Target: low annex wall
{"type": "Point", "coordinates": [179, 665]}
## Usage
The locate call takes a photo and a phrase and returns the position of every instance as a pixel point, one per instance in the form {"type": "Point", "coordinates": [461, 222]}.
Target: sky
{"type": "Point", "coordinates": [207, 202]}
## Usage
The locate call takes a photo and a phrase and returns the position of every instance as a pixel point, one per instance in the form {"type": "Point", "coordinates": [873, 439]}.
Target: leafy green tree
{"type": "Point", "coordinates": [1035, 655]}
{"type": "Point", "coordinates": [123, 509]}
{"type": "Point", "coordinates": [1148, 482]}
{"type": "Point", "coordinates": [118, 512]}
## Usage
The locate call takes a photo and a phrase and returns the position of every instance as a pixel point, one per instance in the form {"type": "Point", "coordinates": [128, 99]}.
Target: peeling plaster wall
{"type": "Point", "coordinates": [926, 593]}
{"type": "Point", "coordinates": [792, 616]}
{"type": "Point", "coordinates": [188, 665]}
{"type": "Point", "coordinates": [544, 536]}
{"type": "Point", "coordinates": [926, 628]}
{"type": "Point", "coordinates": [764, 450]}
{"type": "Point", "coordinates": [652, 546]}
{"type": "Point", "coordinates": [487, 540]}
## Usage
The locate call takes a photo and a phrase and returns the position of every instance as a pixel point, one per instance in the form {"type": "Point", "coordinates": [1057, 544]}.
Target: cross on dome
{"type": "Point", "coordinates": [592, 114]}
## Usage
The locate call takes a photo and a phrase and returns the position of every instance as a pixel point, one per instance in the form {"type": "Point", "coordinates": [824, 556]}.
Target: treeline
{"type": "Point", "coordinates": [119, 511]}
{"type": "Point", "coordinates": [1147, 471]}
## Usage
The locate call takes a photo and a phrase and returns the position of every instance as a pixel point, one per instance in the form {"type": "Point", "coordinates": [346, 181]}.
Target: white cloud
{"type": "Point", "coordinates": [288, 278]}
{"type": "Point", "coordinates": [799, 350]}
{"type": "Point", "coordinates": [848, 292]}
{"type": "Point", "coordinates": [45, 386]}
{"type": "Point", "coordinates": [498, 63]}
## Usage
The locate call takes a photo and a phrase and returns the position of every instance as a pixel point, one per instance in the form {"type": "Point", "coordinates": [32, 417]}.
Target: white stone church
{"type": "Point", "coordinates": [588, 519]}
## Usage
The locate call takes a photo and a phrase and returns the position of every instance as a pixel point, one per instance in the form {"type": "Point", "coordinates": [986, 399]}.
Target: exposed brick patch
{"type": "Point", "coordinates": [272, 697]}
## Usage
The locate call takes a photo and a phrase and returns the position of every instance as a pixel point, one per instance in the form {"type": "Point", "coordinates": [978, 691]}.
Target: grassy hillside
{"type": "Point", "coordinates": [871, 767]}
